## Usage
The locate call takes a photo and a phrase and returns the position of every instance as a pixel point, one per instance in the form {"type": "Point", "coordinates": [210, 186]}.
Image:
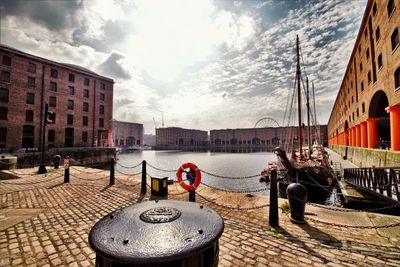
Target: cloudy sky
{"type": "Point", "coordinates": [207, 64]}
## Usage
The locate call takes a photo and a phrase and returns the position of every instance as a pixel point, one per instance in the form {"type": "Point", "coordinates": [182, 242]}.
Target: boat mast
{"type": "Point", "coordinates": [308, 118]}
{"type": "Point", "coordinates": [316, 131]}
{"type": "Point", "coordinates": [298, 73]}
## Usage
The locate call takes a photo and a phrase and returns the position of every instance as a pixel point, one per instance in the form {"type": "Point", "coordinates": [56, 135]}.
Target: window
{"type": "Point", "coordinates": [84, 137]}
{"type": "Point", "coordinates": [5, 76]}
{"type": "Point", "coordinates": [362, 86]}
{"type": "Point", "coordinates": [359, 49]}
{"type": "Point", "coordinates": [32, 67]}
{"type": "Point", "coordinates": [101, 122]}
{"type": "Point", "coordinates": [367, 53]}
{"type": "Point", "coordinates": [4, 95]}
{"type": "Point", "coordinates": [53, 86]}
{"type": "Point", "coordinates": [361, 67]}
{"type": "Point", "coordinates": [51, 136]}
{"type": "Point", "coordinates": [369, 77]}
{"type": "Point", "coordinates": [102, 86]}
{"type": "Point", "coordinates": [390, 7]}
{"type": "Point", "coordinates": [86, 93]}
{"type": "Point", "coordinates": [358, 113]}
{"type": "Point", "coordinates": [85, 106]}
{"type": "Point", "coordinates": [102, 96]}
{"type": "Point", "coordinates": [28, 115]}
{"type": "Point", "coordinates": [28, 132]}
{"type": "Point", "coordinates": [52, 101]}
{"type": "Point", "coordinates": [71, 90]}
{"type": "Point", "coordinates": [363, 107]}
{"type": "Point", "coordinates": [352, 99]}
{"type": "Point", "coordinates": [3, 113]}
{"type": "Point", "coordinates": [3, 137]}
{"type": "Point", "coordinates": [70, 104]}
{"type": "Point", "coordinates": [31, 82]}
{"type": "Point", "coordinates": [395, 39]}
{"type": "Point", "coordinates": [7, 60]}
{"type": "Point", "coordinates": [397, 78]}
{"type": "Point", "coordinates": [86, 82]}
{"type": "Point", "coordinates": [101, 109]}
{"type": "Point", "coordinates": [30, 98]}
{"type": "Point", "coordinates": [53, 73]}
{"type": "Point", "coordinates": [380, 64]}
{"type": "Point", "coordinates": [377, 33]}
{"type": "Point", "coordinates": [70, 119]}
{"type": "Point", "coordinates": [85, 121]}
{"type": "Point", "coordinates": [69, 137]}
{"type": "Point", "coordinates": [366, 33]}
{"type": "Point", "coordinates": [374, 9]}
{"type": "Point", "coordinates": [71, 77]}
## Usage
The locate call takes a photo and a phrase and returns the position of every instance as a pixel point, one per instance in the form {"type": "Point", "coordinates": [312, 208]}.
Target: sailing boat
{"type": "Point", "coordinates": [309, 167]}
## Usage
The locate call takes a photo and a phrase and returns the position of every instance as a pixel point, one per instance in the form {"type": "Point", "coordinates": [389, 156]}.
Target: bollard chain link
{"type": "Point", "coordinates": [354, 226]}
{"type": "Point", "coordinates": [238, 191]}
{"type": "Point", "coordinates": [231, 208]}
{"type": "Point", "coordinates": [230, 177]}
{"type": "Point", "coordinates": [129, 167]}
{"type": "Point", "coordinates": [159, 169]}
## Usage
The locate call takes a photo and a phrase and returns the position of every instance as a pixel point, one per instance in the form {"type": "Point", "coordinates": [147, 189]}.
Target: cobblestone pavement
{"type": "Point", "coordinates": [44, 222]}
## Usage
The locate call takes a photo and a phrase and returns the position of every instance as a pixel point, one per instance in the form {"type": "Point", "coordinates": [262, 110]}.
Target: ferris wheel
{"type": "Point", "coordinates": [266, 122]}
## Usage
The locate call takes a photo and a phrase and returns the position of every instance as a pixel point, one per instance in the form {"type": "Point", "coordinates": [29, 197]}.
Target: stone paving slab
{"type": "Point", "coordinates": [55, 231]}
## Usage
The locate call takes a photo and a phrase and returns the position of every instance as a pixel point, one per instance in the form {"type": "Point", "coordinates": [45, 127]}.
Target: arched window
{"type": "Point", "coordinates": [390, 7]}
{"type": "Point", "coordinates": [397, 78]}
{"type": "Point", "coordinates": [395, 38]}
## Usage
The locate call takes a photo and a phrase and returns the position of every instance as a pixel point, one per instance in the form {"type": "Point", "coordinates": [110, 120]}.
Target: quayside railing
{"type": "Point", "coordinates": [382, 180]}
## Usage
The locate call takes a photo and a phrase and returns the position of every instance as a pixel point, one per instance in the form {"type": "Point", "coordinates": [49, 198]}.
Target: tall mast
{"type": "Point", "coordinates": [316, 131]}
{"type": "Point", "coordinates": [298, 73]}
{"type": "Point", "coordinates": [308, 117]}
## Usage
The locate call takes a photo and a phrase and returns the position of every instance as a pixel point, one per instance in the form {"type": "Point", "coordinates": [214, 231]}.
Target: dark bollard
{"type": "Point", "coordinates": [273, 200]}
{"type": "Point", "coordinates": [56, 161]}
{"type": "Point", "coordinates": [158, 233]}
{"type": "Point", "coordinates": [66, 169]}
{"type": "Point", "coordinates": [297, 196]}
{"type": "Point", "coordinates": [144, 174]}
{"type": "Point", "coordinates": [112, 171]}
{"type": "Point", "coordinates": [192, 196]}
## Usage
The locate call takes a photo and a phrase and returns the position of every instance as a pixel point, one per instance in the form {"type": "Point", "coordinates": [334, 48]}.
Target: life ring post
{"type": "Point", "coordinates": [192, 196]}
{"type": "Point", "coordinates": [144, 175]}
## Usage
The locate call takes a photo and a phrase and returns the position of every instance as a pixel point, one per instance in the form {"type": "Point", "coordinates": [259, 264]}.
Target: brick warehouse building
{"type": "Point", "coordinates": [171, 136]}
{"type": "Point", "coordinates": [80, 99]}
{"type": "Point", "coordinates": [366, 112]}
{"type": "Point", "coordinates": [127, 133]}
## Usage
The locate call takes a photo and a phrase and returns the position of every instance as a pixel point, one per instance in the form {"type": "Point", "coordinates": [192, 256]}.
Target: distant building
{"type": "Point", "coordinates": [127, 133]}
{"type": "Point", "coordinates": [175, 136]}
{"type": "Point", "coordinates": [81, 102]}
{"type": "Point", "coordinates": [262, 137]}
{"type": "Point", "coordinates": [366, 112]}
{"type": "Point", "coordinates": [149, 139]}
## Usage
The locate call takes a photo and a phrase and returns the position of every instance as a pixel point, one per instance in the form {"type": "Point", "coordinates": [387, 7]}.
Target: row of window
{"type": "Point", "coordinates": [6, 60]}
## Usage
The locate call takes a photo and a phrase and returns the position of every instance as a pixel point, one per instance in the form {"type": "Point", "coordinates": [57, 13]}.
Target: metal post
{"type": "Point", "coordinates": [112, 171]}
{"type": "Point", "coordinates": [144, 174]}
{"type": "Point", "coordinates": [66, 170]}
{"type": "Point", "coordinates": [42, 167]}
{"type": "Point", "coordinates": [192, 196]}
{"type": "Point", "coordinates": [273, 201]}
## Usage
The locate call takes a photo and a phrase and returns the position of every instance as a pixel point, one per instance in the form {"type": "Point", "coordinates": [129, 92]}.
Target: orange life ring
{"type": "Point", "coordinates": [197, 176]}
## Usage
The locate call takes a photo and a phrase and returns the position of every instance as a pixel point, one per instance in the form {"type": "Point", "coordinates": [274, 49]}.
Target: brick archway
{"type": "Point", "coordinates": [377, 111]}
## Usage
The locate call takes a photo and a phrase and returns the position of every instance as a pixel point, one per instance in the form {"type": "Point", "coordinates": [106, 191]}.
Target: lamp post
{"type": "Point", "coordinates": [47, 118]}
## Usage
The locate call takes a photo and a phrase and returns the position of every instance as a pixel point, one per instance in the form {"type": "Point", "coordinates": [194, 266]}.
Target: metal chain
{"type": "Point", "coordinates": [86, 165]}
{"type": "Point", "coordinates": [238, 191]}
{"type": "Point", "coordinates": [81, 171]}
{"type": "Point", "coordinates": [229, 177]}
{"type": "Point", "coordinates": [127, 184]}
{"type": "Point", "coordinates": [31, 183]}
{"type": "Point", "coordinates": [354, 226]}
{"type": "Point", "coordinates": [129, 167]}
{"type": "Point", "coordinates": [129, 174]}
{"type": "Point", "coordinates": [158, 169]}
{"type": "Point", "coordinates": [86, 179]}
{"type": "Point", "coordinates": [231, 208]}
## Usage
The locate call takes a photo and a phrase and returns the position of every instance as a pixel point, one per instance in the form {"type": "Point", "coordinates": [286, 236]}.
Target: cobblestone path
{"type": "Point", "coordinates": [44, 222]}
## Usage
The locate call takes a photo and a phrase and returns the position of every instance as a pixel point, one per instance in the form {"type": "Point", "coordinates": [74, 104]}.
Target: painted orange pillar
{"type": "Point", "coordinates": [394, 127]}
{"type": "Point", "coordinates": [364, 134]}
{"type": "Point", "coordinates": [358, 135]}
{"type": "Point", "coordinates": [351, 137]}
{"type": "Point", "coordinates": [354, 136]}
{"type": "Point", "coordinates": [347, 136]}
{"type": "Point", "coordinates": [372, 132]}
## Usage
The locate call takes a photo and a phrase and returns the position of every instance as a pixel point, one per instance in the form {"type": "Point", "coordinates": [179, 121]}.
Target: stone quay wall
{"type": "Point", "coordinates": [367, 157]}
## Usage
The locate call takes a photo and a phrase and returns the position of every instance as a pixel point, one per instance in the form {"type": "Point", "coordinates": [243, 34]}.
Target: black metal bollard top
{"type": "Point", "coordinates": [157, 232]}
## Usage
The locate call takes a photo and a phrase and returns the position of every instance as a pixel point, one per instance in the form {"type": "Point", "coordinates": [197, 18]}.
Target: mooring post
{"type": "Point", "coordinates": [66, 169]}
{"type": "Point", "coordinates": [192, 196]}
{"type": "Point", "coordinates": [273, 200]}
{"type": "Point", "coordinates": [112, 171]}
{"type": "Point", "coordinates": [144, 174]}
